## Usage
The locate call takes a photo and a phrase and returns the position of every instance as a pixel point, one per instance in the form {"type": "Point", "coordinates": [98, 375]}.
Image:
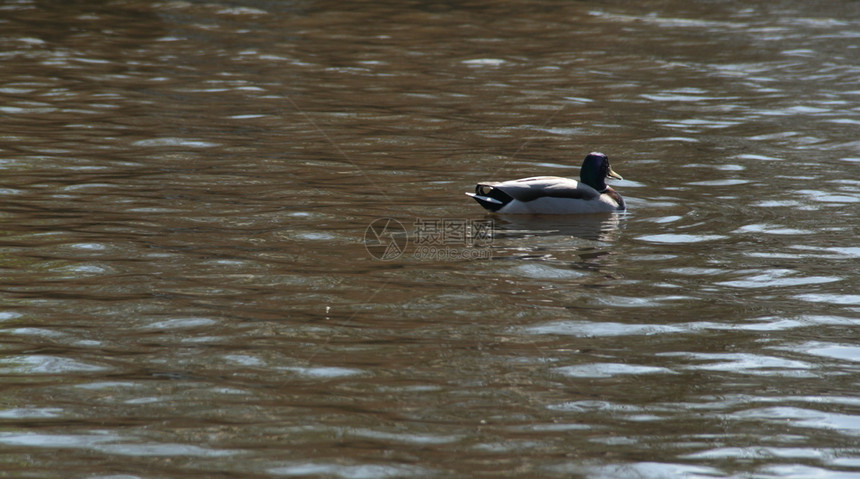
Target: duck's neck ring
{"type": "Point", "coordinates": [598, 184]}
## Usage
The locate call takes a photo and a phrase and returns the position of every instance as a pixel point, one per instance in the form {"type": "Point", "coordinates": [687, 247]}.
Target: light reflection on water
{"type": "Point", "coordinates": [186, 189]}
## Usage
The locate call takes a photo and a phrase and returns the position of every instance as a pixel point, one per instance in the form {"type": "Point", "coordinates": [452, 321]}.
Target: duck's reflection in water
{"type": "Point", "coordinates": [595, 227]}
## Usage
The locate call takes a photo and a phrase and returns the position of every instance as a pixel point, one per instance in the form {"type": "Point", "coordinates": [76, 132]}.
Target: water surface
{"type": "Point", "coordinates": [188, 288]}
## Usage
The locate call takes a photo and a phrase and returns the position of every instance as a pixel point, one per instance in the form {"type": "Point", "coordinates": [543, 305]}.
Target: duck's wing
{"type": "Point", "coordinates": [529, 189]}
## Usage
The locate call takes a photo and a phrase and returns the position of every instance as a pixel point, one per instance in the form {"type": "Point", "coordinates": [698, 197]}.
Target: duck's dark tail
{"type": "Point", "coordinates": [491, 198]}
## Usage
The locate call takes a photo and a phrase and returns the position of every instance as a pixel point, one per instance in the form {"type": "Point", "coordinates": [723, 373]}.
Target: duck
{"type": "Point", "coordinates": [554, 194]}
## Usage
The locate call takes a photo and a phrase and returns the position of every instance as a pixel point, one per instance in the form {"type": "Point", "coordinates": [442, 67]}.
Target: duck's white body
{"type": "Point", "coordinates": [554, 195]}
{"type": "Point", "coordinates": [547, 195]}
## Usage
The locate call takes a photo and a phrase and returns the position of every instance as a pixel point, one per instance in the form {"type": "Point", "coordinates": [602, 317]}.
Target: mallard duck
{"type": "Point", "coordinates": [554, 194]}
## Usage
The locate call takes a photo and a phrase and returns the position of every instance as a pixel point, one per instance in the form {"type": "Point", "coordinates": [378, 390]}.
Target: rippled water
{"type": "Point", "coordinates": [235, 241]}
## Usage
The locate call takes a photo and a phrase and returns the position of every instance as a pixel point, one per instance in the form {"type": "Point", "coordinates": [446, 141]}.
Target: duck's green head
{"type": "Point", "coordinates": [595, 169]}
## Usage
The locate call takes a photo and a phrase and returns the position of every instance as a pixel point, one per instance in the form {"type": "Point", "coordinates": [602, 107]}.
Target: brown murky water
{"type": "Point", "coordinates": [235, 242]}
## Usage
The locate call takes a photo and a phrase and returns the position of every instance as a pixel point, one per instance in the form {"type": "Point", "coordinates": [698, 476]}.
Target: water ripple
{"type": "Point", "coordinates": [360, 471]}
{"type": "Point", "coordinates": [607, 370]}
{"type": "Point", "coordinates": [744, 363]}
{"type": "Point", "coordinates": [675, 238]}
{"type": "Point", "coordinates": [807, 418]}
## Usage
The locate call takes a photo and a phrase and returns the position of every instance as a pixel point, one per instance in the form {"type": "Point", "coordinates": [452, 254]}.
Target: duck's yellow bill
{"type": "Point", "coordinates": [613, 174]}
